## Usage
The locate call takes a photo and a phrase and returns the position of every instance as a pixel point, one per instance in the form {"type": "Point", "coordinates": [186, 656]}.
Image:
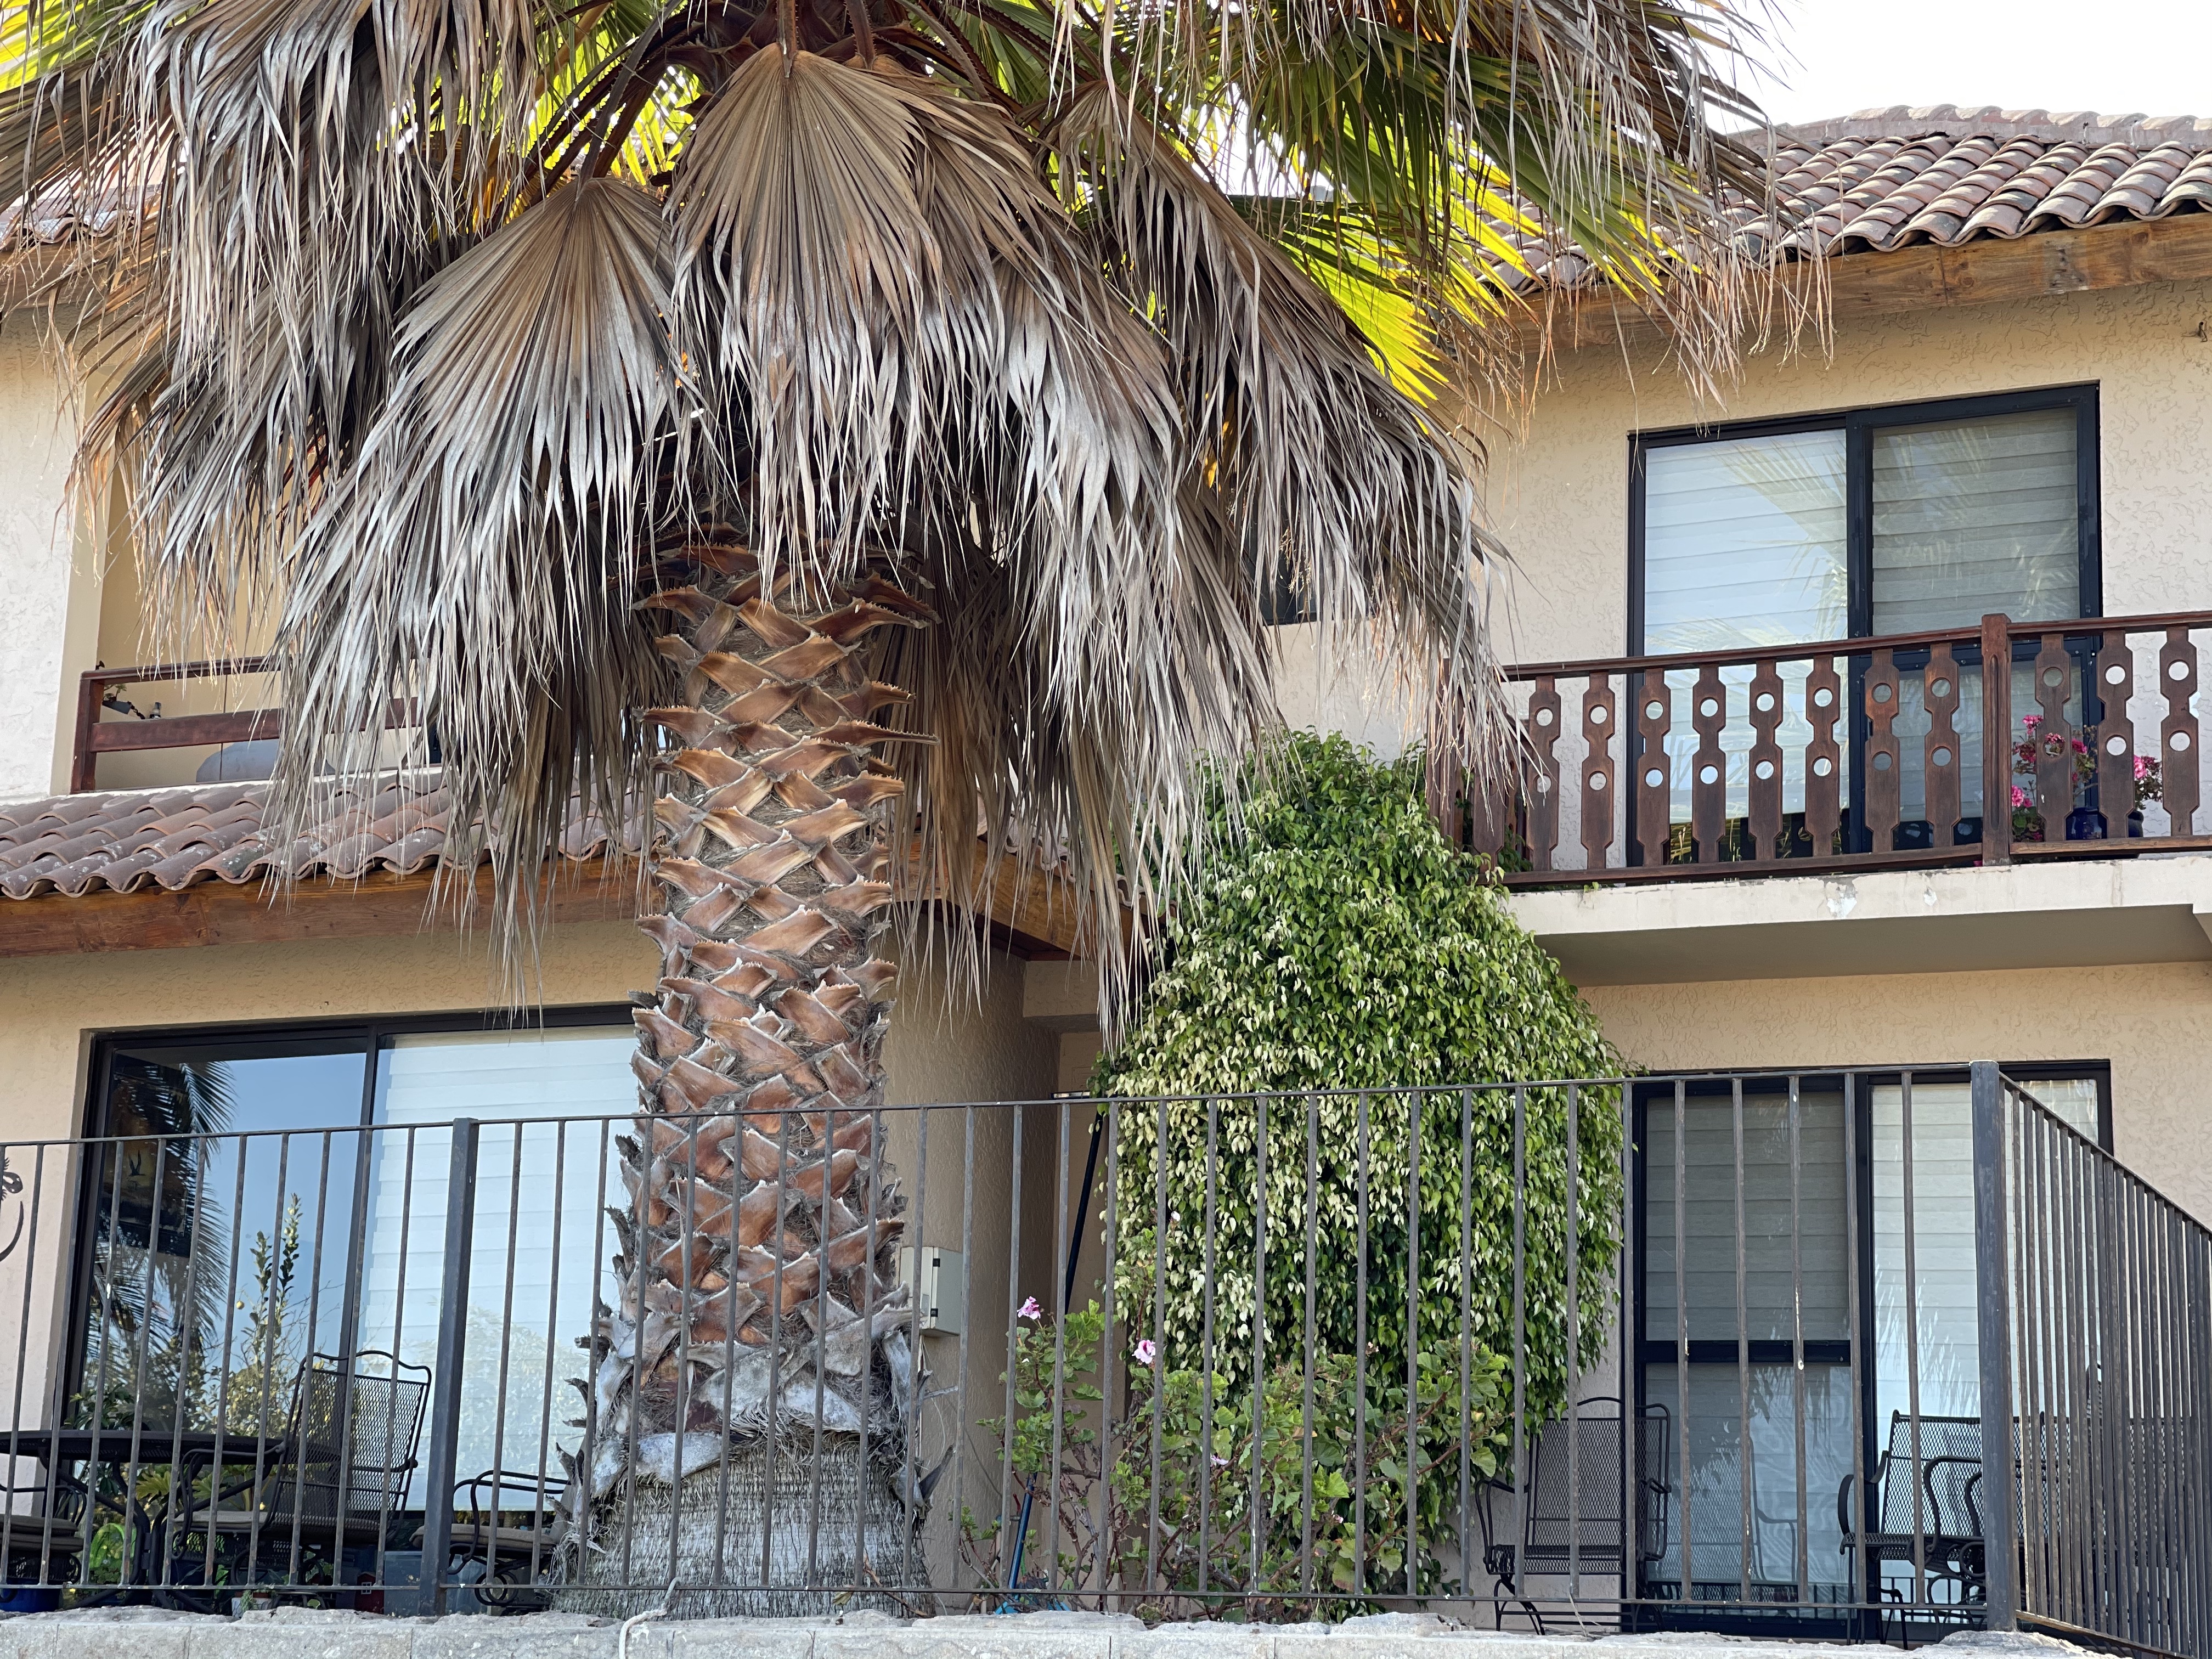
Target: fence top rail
{"type": "Point", "coordinates": [1745, 656]}
{"type": "Point", "coordinates": [1776, 1078]}
{"type": "Point", "coordinates": [208, 668]}
{"type": "Point", "coordinates": [2051, 1122]}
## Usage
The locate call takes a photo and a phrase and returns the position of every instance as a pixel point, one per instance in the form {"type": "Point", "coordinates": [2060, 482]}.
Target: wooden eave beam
{"type": "Point", "coordinates": [2121, 253]}
{"type": "Point", "coordinates": [1027, 918]}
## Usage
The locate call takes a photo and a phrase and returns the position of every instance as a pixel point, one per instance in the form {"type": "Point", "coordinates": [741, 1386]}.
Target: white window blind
{"type": "Point", "coordinates": [1971, 517]}
{"type": "Point", "coordinates": [1744, 543]}
{"type": "Point", "coordinates": [538, 1245]}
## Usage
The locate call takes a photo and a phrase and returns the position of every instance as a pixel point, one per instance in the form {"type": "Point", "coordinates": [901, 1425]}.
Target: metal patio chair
{"type": "Point", "coordinates": [1578, 1513]}
{"type": "Point", "coordinates": [1948, 1539]}
{"type": "Point", "coordinates": [514, 1542]}
{"type": "Point", "coordinates": [336, 1479]}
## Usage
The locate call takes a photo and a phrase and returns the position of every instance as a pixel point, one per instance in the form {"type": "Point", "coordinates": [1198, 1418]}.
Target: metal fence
{"type": "Point", "coordinates": [2110, 1357]}
{"type": "Point", "coordinates": [1701, 1352]}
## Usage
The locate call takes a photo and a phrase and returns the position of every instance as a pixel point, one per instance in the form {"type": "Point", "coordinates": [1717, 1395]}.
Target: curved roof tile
{"type": "Point", "coordinates": [128, 841]}
{"type": "Point", "coordinates": [1885, 179]}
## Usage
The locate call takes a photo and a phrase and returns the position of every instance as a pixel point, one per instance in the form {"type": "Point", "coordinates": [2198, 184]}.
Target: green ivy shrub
{"type": "Point", "coordinates": [1335, 940]}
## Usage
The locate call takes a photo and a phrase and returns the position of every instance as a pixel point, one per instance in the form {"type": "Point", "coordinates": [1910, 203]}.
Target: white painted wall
{"type": "Point", "coordinates": [49, 603]}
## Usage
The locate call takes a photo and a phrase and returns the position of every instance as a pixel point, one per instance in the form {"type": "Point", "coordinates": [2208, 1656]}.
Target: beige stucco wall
{"type": "Point", "coordinates": [48, 624]}
{"type": "Point", "coordinates": [2152, 1023]}
{"type": "Point", "coordinates": [1556, 490]}
{"type": "Point", "coordinates": [1558, 496]}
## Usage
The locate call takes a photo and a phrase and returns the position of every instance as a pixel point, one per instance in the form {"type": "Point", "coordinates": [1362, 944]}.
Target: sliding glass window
{"type": "Point", "coordinates": [256, 1199]}
{"type": "Point", "coordinates": [1905, 520]}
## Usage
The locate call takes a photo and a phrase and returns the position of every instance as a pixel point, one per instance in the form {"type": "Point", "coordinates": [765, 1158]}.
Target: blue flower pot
{"type": "Point", "coordinates": [2085, 823]}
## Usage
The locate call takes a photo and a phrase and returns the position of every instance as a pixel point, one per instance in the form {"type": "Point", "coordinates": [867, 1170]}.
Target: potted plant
{"type": "Point", "coordinates": [2084, 822]}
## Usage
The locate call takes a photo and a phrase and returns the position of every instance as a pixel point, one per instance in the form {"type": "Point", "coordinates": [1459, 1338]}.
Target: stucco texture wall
{"type": "Point", "coordinates": [2152, 1023]}
{"type": "Point", "coordinates": [51, 616]}
{"type": "Point", "coordinates": [1557, 493]}
{"type": "Point", "coordinates": [944, 1045]}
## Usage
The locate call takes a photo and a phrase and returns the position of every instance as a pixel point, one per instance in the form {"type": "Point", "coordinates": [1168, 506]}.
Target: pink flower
{"type": "Point", "coordinates": [1221, 1463]}
{"type": "Point", "coordinates": [2031, 721]}
{"type": "Point", "coordinates": [2144, 766]}
{"type": "Point", "coordinates": [1147, 1352]}
{"type": "Point", "coordinates": [1030, 1310]}
{"type": "Point", "coordinates": [2020, 797]}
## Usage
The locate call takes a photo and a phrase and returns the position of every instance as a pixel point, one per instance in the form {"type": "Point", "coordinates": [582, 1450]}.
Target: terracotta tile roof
{"type": "Point", "coordinates": [1884, 180]}
{"type": "Point", "coordinates": [127, 840]}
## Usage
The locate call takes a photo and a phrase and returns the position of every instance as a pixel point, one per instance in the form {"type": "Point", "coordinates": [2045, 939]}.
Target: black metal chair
{"type": "Point", "coordinates": [335, 1480]}
{"type": "Point", "coordinates": [515, 1541]}
{"type": "Point", "coordinates": [45, 1534]}
{"type": "Point", "coordinates": [1938, 1522]}
{"type": "Point", "coordinates": [1578, 1515]}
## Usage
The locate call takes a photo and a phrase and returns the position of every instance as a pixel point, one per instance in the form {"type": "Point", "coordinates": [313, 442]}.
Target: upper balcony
{"type": "Point", "coordinates": [1857, 754]}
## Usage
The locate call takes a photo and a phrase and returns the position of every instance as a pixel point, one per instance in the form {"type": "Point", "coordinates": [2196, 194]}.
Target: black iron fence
{"type": "Point", "coordinates": [1867, 1352]}
{"type": "Point", "coordinates": [2109, 1466]}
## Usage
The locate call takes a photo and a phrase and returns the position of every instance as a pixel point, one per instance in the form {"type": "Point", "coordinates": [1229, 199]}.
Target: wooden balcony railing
{"type": "Point", "coordinates": [96, 736]}
{"type": "Point", "coordinates": [149, 729]}
{"type": "Point", "coordinates": [1858, 754]}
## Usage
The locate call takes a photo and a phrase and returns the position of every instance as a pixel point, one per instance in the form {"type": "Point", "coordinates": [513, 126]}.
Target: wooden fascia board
{"type": "Point", "coordinates": [2122, 253]}
{"type": "Point", "coordinates": [1035, 917]}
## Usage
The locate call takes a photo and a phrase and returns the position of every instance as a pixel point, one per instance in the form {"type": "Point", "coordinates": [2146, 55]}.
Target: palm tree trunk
{"type": "Point", "coordinates": [751, 1393]}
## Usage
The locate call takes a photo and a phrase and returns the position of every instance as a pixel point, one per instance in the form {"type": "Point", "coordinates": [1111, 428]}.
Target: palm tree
{"type": "Point", "coordinates": [848, 423]}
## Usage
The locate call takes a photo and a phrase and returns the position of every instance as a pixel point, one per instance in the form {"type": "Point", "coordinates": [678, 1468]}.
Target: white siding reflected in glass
{"type": "Point", "coordinates": [1744, 543]}
{"type": "Point", "coordinates": [538, 1251]}
{"type": "Point", "coordinates": [1942, 1282]}
{"type": "Point", "coordinates": [1971, 517]}
{"type": "Point", "coordinates": [1795, 1265]}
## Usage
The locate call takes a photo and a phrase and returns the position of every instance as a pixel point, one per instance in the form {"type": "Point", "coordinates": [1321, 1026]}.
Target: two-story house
{"type": "Point", "coordinates": [1776, 812]}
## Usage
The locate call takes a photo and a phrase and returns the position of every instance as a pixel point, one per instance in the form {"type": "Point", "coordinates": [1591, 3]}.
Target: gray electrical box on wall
{"type": "Point", "coordinates": [941, 1294]}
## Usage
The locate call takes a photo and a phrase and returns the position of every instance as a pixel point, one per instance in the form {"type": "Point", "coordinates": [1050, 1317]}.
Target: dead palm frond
{"type": "Point", "coordinates": [868, 428]}
{"type": "Point", "coordinates": [1057, 301]}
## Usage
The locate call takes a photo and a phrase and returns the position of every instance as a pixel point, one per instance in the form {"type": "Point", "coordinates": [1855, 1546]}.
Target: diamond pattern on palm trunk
{"type": "Point", "coordinates": [757, 1248]}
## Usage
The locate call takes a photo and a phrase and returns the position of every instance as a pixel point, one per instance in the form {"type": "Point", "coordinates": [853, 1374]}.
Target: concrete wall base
{"type": "Point", "coordinates": [295, 1633]}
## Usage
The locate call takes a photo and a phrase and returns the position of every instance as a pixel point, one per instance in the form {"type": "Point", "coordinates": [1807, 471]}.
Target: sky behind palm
{"type": "Point", "coordinates": [2113, 55]}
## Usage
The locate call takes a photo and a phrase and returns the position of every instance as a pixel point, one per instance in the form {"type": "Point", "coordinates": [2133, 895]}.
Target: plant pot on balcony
{"type": "Point", "coordinates": [2085, 823]}
{"type": "Point", "coordinates": [1966, 832]}
{"type": "Point", "coordinates": [1913, 836]}
{"type": "Point", "coordinates": [2134, 824]}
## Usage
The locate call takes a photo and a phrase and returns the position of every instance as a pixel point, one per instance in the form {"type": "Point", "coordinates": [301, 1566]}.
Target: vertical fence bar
{"type": "Point", "coordinates": [1306, 1362]}
{"type": "Point", "coordinates": [1359, 1365]}
{"type": "Point", "coordinates": [1801, 1569]}
{"type": "Point", "coordinates": [1063, 1288]}
{"type": "Point", "coordinates": [1682, 1320]}
{"type": "Point", "coordinates": [1748, 1519]}
{"type": "Point", "coordinates": [1520, 1339]}
{"type": "Point", "coordinates": [1259, 1339]}
{"type": "Point", "coordinates": [1013, 1531]}
{"type": "Point", "coordinates": [1993, 1329]}
{"type": "Point", "coordinates": [1867, 1587]}
{"type": "Point", "coordinates": [1464, 1272]}
{"type": "Point", "coordinates": [1205, 1460]}
{"type": "Point", "coordinates": [1575, 1356]}
{"type": "Point", "coordinates": [1159, 1343]}
{"type": "Point", "coordinates": [453, 1340]}
{"type": "Point", "coordinates": [1912, 1229]}
{"type": "Point", "coordinates": [1415, 1102]}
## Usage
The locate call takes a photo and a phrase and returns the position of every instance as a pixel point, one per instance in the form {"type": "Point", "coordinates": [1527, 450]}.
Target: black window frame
{"type": "Point", "coordinates": [1858, 427]}
{"type": "Point", "coordinates": [368, 1037]}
